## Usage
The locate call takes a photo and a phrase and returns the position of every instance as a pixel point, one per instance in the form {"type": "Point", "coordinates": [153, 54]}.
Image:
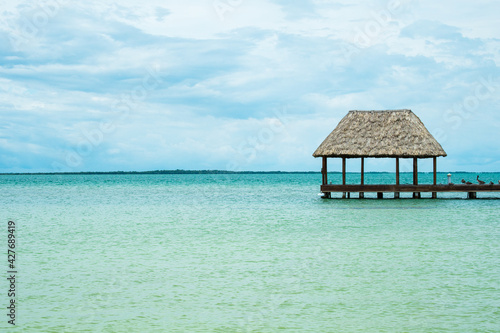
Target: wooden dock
{"type": "Point", "coordinates": [471, 190]}
{"type": "Point", "coordinates": [398, 134]}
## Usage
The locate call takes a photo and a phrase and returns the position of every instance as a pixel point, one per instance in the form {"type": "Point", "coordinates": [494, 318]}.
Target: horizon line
{"type": "Point", "coordinates": [182, 171]}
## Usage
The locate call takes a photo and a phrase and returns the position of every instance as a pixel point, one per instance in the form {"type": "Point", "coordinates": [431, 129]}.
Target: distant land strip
{"type": "Point", "coordinates": [162, 172]}
{"type": "Point", "coordinates": [209, 172]}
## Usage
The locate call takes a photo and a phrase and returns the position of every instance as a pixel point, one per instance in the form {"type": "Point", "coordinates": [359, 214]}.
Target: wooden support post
{"type": "Point", "coordinates": [343, 176]}
{"type": "Point", "coordinates": [434, 168]}
{"type": "Point", "coordinates": [324, 171]}
{"type": "Point", "coordinates": [415, 177]}
{"type": "Point", "coordinates": [362, 194]}
{"type": "Point", "coordinates": [324, 174]}
{"type": "Point", "coordinates": [397, 170]}
{"type": "Point", "coordinates": [343, 170]}
{"type": "Point", "coordinates": [396, 194]}
{"type": "Point", "coordinates": [472, 195]}
{"type": "Point", "coordinates": [415, 171]}
{"type": "Point", "coordinates": [362, 170]}
{"type": "Point", "coordinates": [380, 195]}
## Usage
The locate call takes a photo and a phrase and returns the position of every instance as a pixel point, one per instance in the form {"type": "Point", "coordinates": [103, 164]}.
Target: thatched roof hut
{"type": "Point", "coordinates": [392, 133]}
{"type": "Point", "coordinates": [396, 134]}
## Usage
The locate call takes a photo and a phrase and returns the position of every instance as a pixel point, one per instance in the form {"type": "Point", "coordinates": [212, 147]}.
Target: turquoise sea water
{"type": "Point", "coordinates": [247, 253]}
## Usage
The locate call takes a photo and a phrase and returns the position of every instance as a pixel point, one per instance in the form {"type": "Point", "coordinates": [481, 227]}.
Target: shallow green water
{"type": "Point", "coordinates": [247, 253]}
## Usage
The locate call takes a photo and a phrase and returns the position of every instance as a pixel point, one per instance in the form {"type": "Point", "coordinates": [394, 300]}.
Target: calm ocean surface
{"type": "Point", "coordinates": [247, 253]}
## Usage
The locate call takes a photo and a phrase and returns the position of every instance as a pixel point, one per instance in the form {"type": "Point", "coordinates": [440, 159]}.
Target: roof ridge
{"type": "Point", "coordinates": [395, 110]}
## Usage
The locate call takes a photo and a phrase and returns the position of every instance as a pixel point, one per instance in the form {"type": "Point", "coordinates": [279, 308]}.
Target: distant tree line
{"type": "Point", "coordinates": [162, 172]}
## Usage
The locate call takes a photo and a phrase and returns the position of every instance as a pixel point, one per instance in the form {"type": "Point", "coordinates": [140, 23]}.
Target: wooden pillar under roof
{"type": "Point", "coordinates": [343, 176]}
{"type": "Point", "coordinates": [362, 194]}
{"type": "Point", "coordinates": [396, 194]}
{"type": "Point", "coordinates": [324, 174]}
{"type": "Point", "coordinates": [343, 170]}
{"type": "Point", "coordinates": [324, 171]}
{"type": "Point", "coordinates": [434, 169]}
{"type": "Point", "coordinates": [415, 176]}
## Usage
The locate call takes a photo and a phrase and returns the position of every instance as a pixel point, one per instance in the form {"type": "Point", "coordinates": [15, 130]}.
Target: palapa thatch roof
{"type": "Point", "coordinates": [392, 133]}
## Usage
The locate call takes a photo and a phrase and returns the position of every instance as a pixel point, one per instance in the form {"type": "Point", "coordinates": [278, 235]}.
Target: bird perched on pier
{"type": "Point", "coordinates": [499, 182]}
{"type": "Point", "coordinates": [480, 181]}
{"type": "Point", "coordinates": [464, 182]}
{"type": "Point", "coordinates": [491, 183]}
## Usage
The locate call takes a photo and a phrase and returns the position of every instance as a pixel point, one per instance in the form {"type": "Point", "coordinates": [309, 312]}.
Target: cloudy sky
{"type": "Point", "coordinates": [239, 84]}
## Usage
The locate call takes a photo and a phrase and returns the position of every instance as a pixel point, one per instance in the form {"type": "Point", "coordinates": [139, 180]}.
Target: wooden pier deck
{"type": "Point", "coordinates": [471, 189]}
{"type": "Point", "coordinates": [398, 134]}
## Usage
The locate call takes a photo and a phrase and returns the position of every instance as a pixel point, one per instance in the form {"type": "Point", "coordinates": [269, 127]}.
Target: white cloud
{"type": "Point", "coordinates": [221, 76]}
